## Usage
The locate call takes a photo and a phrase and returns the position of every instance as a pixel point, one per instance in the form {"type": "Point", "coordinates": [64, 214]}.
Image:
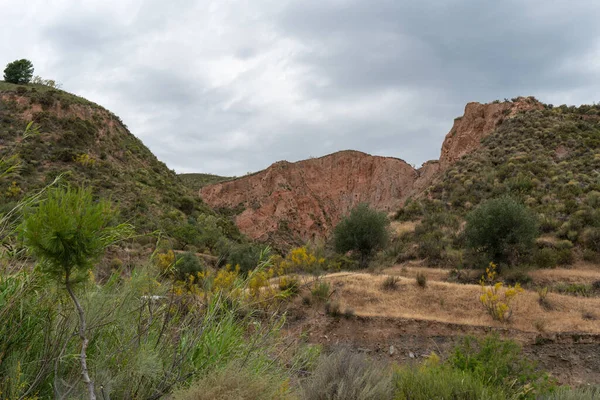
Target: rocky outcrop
{"type": "Point", "coordinates": [307, 199]}
{"type": "Point", "coordinates": [478, 121]}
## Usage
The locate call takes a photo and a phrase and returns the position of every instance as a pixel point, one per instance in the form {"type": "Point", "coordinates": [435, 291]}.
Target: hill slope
{"type": "Point", "coordinates": [290, 202]}
{"type": "Point", "coordinates": [304, 200]}
{"type": "Point", "coordinates": [90, 146]}
{"type": "Point", "coordinates": [549, 159]}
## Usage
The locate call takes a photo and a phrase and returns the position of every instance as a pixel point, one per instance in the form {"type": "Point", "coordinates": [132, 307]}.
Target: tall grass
{"type": "Point", "coordinates": [144, 339]}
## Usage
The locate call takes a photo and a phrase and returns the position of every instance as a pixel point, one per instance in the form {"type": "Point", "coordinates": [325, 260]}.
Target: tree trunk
{"type": "Point", "coordinates": [84, 342]}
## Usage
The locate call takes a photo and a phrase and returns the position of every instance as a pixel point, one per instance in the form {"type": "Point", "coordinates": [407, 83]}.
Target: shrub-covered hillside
{"type": "Point", "coordinates": [197, 181]}
{"type": "Point", "coordinates": [90, 145]}
{"type": "Point", "coordinates": [549, 160]}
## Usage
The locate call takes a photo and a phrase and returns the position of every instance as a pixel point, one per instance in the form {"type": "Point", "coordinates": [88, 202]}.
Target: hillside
{"type": "Point", "coordinates": [295, 202]}
{"type": "Point", "coordinates": [549, 159]}
{"type": "Point", "coordinates": [89, 145]}
{"type": "Point", "coordinates": [196, 181]}
{"type": "Point", "coordinates": [304, 200]}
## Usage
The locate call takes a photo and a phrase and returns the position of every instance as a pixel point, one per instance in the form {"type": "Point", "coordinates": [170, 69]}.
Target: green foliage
{"type": "Point", "coordinates": [499, 363]}
{"type": "Point", "coordinates": [363, 231]}
{"type": "Point", "coordinates": [246, 255]}
{"type": "Point", "coordinates": [421, 280]}
{"type": "Point", "coordinates": [18, 72]}
{"type": "Point", "coordinates": [69, 230]}
{"type": "Point", "coordinates": [234, 382]}
{"type": "Point", "coordinates": [198, 181]}
{"type": "Point", "coordinates": [442, 382]}
{"type": "Point", "coordinates": [187, 264]}
{"type": "Point", "coordinates": [503, 229]}
{"type": "Point", "coordinates": [345, 375]}
{"type": "Point", "coordinates": [321, 290]}
{"type": "Point", "coordinates": [582, 393]}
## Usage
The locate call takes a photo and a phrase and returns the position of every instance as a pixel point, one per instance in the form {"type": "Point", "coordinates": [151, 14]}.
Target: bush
{"type": "Point", "coordinates": [363, 231]}
{"type": "Point", "coordinates": [187, 264]}
{"type": "Point", "coordinates": [441, 382]}
{"type": "Point", "coordinates": [421, 280]}
{"type": "Point", "coordinates": [18, 72]}
{"type": "Point", "coordinates": [345, 375]}
{"type": "Point", "coordinates": [320, 291]}
{"type": "Point", "coordinates": [582, 393]}
{"type": "Point", "coordinates": [233, 383]}
{"type": "Point", "coordinates": [390, 283]}
{"type": "Point", "coordinates": [501, 228]}
{"type": "Point", "coordinates": [501, 364]}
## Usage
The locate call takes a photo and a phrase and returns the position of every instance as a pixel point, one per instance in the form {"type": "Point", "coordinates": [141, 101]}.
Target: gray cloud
{"type": "Point", "coordinates": [231, 86]}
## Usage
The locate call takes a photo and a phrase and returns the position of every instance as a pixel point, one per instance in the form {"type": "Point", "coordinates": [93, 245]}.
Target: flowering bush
{"type": "Point", "coordinates": [495, 297]}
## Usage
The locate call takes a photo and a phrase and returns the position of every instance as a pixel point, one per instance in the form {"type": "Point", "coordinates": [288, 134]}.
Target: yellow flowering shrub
{"type": "Point", "coordinates": [300, 259]}
{"type": "Point", "coordinates": [495, 297]}
{"type": "Point", "coordinates": [165, 262]}
{"type": "Point", "coordinates": [86, 160]}
{"type": "Point", "coordinates": [14, 190]}
{"type": "Point", "coordinates": [225, 278]}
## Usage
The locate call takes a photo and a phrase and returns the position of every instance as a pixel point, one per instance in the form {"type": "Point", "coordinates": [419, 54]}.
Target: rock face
{"type": "Point", "coordinates": [306, 199]}
{"type": "Point", "coordinates": [478, 121]}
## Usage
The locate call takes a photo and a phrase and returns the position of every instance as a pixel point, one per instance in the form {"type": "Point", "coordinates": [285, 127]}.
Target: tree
{"type": "Point", "coordinates": [68, 232]}
{"type": "Point", "coordinates": [503, 229]}
{"type": "Point", "coordinates": [19, 72]}
{"type": "Point", "coordinates": [364, 230]}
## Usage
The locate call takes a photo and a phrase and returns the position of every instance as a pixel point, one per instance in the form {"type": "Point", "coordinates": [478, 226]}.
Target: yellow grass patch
{"type": "Point", "coordinates": [456, 303]}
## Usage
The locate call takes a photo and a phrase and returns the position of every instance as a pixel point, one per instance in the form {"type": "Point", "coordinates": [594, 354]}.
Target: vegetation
{"type": "Point", "coordinates": [502, 229]}
{"type": "Point", "coordinates": [545, 160]}
{"type": "Point", "coordinates": [364, 230]}
{"type": "Point", "coordinates": [197, 181]}
{"type": "Point", "coordinates": [18, 72]}
{"type": "Point", "coordinates": [88, 145]}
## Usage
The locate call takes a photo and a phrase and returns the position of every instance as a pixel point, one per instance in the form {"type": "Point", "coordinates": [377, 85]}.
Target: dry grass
{"type": "Point", "coordinates": [456, 303]}
{"type": "Point", "coordinates": [400, 228]}
{"type": "Point", "coordinates": [411, 270]}
{"type": "Point", "coordinates": [579, 275]}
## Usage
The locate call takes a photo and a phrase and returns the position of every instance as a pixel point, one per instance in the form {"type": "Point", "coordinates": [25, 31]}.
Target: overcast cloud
{"type": "Point", "coordinates": [229, 87]}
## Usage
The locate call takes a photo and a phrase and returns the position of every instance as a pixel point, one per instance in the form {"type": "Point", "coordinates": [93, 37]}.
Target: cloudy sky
{"type": "Point", "coordinates": [229, 86]}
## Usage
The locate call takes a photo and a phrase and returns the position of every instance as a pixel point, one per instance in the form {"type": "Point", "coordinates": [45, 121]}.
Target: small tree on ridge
{"type": "Point", "coordinates": [19, 72]}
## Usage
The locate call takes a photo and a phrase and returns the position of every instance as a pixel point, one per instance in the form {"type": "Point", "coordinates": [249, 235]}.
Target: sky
{"type": "Point", "coordinates": [229, 87]}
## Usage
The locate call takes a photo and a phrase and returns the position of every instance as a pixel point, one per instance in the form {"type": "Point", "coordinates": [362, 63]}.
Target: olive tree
{"type": "Point", "coordinates": [364, 230]}
{"type": "Point", "coordinates": [18, 71]}
{"type": "Point", "coordinates": [68, 232]}
{"type": "Point", "coordinates": [502, 229]}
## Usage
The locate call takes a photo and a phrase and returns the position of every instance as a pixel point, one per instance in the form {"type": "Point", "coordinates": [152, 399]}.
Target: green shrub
{"type": "Point", "coordinates": [442, 382]}
{"type": "Point", "coordinates": [345, 375]}
{"type": "Point", "coordinates": [320, 291]}
{"type": "Point", "coordinates": [501, 228]}
{"type": "Point", "coordinates": [500, 363]}
{"type": "Point", "coordinates": [582, 393]}
{"type": "Point", "coordinates": [234, 382]}
{"type": "Point", "coordinates": [187, 264]}
{"type": "Point", "coordinates": [18, 72]}
{"type": "Point", "coordinates": [421, 280]}
{"type": "Point", "coordinates": [591, 239]}
{"type": "Point", "coordinates": [545, 258]}
{"type": "Point", "coordinates": [364, 230]}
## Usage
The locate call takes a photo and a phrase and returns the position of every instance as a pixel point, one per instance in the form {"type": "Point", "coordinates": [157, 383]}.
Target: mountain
{"type": "Point", "coordinates": [89, 145]}
{"type": "Point", "coordinates": [295, 202]}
